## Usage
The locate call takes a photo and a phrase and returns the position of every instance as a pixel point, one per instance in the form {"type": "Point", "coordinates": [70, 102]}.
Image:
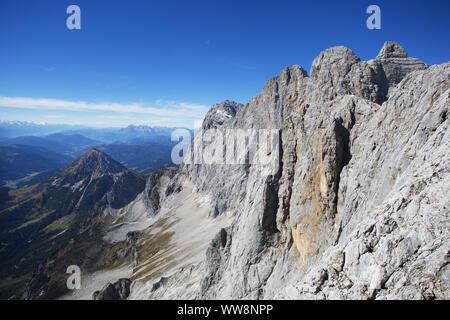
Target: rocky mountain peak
{"type": "Point", "coordinates": [221, 113]}
{"type": "Point", "coordinates": [392, 50]}
{"type": "Point", "coordinates": [335, 59]}
{"type": "Point", "coordinates": [396, 64]}
{"type": "Point", "coordinates": [348, 209]}
{"type": "Point", "coordinates": [95, 168]}
{"type": "Point", "coordinates": [338, 71]}
{"type": "Point", "coordinates": [93, 163]}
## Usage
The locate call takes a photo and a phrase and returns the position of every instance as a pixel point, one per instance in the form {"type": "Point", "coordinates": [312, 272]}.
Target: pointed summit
{"type": "Point", "coordinates": [93, 163]}
{"type": "Point", "coordinates": [396, 64]}
{"type": "Point", "coordinates": [392, 50]}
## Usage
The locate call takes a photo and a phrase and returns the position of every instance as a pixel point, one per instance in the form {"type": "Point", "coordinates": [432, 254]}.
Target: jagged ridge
{"type": "Point", "coordinates": [355, 136]}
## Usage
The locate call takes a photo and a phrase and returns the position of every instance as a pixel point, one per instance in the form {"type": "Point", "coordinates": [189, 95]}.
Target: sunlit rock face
{"type": "Point", "coordinates": [355, 205]}
{"type": "Point", "coordinates": [358, 206]}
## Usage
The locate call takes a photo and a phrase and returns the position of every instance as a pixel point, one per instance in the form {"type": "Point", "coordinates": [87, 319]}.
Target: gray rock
{"type": "Point", "coordinates": [392, 50]}
{"type": "Point", "coordinates": [357, 207]}
{"type": "Point", "coordinates": [221, 113]}
{"type": "Point", "coordinates": [343, 159]}
{"type": "Point", "coordinates": [119, 290]}
{"type": "Point", "coordinates": [395, 63]}
{"type": "Point", "coordinates": [158, 186]}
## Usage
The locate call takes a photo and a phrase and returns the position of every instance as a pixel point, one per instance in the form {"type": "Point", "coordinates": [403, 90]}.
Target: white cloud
{"type": "Point", "coordinates": [161, 109]}
{"type": "Point", "coordinates": [54, 116]}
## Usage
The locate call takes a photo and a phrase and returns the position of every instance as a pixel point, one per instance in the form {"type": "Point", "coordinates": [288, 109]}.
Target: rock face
{"type": "Point", "coordinates": [221, 113]}
{"type": "Point", "coordinates": [395, 63]}
{"type": "Point", "coordinates": [358, 206]}
{"type": "Point", "coordinates": [119, 290]}
{"type": "Point", "coordinates": [353, 203]}
{"type": "Point", "coordinates": [392, 50]}
{"type": "Point", "coordinates": [159, 185]}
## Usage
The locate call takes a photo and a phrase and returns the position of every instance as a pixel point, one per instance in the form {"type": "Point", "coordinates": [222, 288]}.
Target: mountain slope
{"type": "Point", "coordinates": [62, 220]}
{"type": "Point", "coordinates": [356, 207]}
{"type": "Point", "coordinates": [21, 164]}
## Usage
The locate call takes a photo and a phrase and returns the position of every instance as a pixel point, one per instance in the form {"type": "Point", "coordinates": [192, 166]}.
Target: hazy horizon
{"type": "Point", "coordinates": [84, 126]}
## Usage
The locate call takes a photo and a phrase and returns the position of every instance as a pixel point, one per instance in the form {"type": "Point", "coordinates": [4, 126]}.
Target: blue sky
{"type": "Point", "coordinates": [165, 62]}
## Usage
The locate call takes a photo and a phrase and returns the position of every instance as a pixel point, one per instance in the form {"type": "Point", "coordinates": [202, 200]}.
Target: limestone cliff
{"type": "Point", "coordinates": [357, 206]}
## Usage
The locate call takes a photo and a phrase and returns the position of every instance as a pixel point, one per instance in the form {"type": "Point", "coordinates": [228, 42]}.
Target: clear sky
{"type": "Point", "coordinates": [165, 62]}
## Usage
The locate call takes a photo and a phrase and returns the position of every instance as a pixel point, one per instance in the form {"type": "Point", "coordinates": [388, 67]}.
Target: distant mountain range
{"type": "Point", "coordinates": [12, 129]}
{"type": "Point", "coordinates": [130, 134]}
{"type": "Point", "coordinates": [70, 145]}
{"type": "Point", "coordinates": [60, 218]}
{"type": "Point", "coordinates": [27, 159]}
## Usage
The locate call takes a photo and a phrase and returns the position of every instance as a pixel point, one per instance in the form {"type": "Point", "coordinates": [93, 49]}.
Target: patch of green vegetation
{"type": "Point", "coordinates": [17, 193]}
{"type": "Point", "coordinates": [24, 194]}
{"type": "Point", "coordinates": [32, 221]}
{"type": "Point", "coordinates": [60, 224]}
{"type": "Point", "coordinates": [21, 181]}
